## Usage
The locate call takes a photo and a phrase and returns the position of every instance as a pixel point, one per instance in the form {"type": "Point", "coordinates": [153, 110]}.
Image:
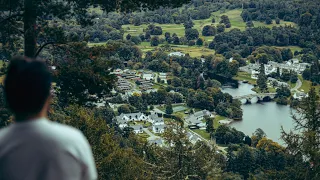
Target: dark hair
{"type": "Point", "coordinates": [27, 86]}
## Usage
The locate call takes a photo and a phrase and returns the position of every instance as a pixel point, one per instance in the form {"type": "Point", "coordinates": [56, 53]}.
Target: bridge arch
{"type": "Point", "coordinates": [254, 98]}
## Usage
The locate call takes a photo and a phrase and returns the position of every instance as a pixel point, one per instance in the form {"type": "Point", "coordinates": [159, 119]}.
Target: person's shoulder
{"type": "Point", "coordinates": [71, 140]}
{"type": "Point", "coordinates": [66, 132]}
{"type": "Point", "coordinates": [3, 133]}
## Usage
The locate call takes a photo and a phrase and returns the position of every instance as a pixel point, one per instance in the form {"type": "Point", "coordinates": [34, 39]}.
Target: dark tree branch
{"type": "Point", "coordinates": [43, 46]}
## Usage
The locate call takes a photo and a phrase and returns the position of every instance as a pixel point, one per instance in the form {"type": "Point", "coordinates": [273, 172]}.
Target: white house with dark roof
{"type": "Point", "coordinates": [134, 117]}
{"type": "Point", "coordinates": [147, 76]}
{"type": "Point", "coordinates": [158, 128]}
{"type": "Point", "coordinates": [197, 117]}
{"type": "Point", "coordinates": [122, 122]}
{"type": "Point", "coordinates": [156, 120]}
{"type": "Point", "coordinates": [137, 129]}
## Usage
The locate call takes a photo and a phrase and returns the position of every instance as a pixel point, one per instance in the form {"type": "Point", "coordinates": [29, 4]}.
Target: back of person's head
{"type": "Point", "coordinates": [27, 86]}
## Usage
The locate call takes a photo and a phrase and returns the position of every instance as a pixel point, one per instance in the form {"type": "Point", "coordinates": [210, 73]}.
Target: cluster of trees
{"type": "Point", "coordinates": [262, 79]}
{"type": "Point", "coordinates": [244, 42]}
{"type": "Point", "coordinates": [209, 30]}
{"type": "Point", "coordinates": [226, 135]}
{"type": "Point", "coordinates": [313, 72]}
{"type": "Point", "coordinates": [286, 76]}
{"type": "Point", "coordinates": [211, 98]}
{"type": "Point", "coordinates": [196, 9]}
{"type": "Point", "coordinates": [306, 13]}
{"type": "Point", "coordinates": [162, 96]}
{"type": "Point", "coordinates": [282, 95]}
{"type": "Point", "coordinates": [264, 54]}
{"type": "Point", "coordinates": [154, 30]}
{"type": "Point", "coordinates": [225, 20]}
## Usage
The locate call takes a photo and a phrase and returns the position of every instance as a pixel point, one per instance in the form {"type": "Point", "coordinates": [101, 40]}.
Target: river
{"type": "Point", "coordinates": [268, 116]}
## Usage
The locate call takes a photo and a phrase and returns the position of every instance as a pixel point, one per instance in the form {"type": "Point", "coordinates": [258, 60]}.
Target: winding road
{"type": "Point", "coordinates": [298, 85]}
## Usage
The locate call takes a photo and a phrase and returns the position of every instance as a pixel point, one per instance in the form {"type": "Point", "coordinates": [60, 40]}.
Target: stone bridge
{"type": "Point", "coordinates": [258, 97]}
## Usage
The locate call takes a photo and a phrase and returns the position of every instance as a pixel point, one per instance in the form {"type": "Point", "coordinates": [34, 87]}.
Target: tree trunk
{"type": "Point", "coordinates": [29, 21]}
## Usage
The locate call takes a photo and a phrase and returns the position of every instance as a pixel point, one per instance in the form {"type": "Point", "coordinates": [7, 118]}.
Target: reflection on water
{"type": "Point", "coordinates": [268, 116]}
{"type": "Point", "coordinates": [243, 89]}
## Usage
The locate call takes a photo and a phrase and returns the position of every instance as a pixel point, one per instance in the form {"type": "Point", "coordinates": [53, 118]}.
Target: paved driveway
{"type": "Point", "coordinates": [152, 136]}
{"type": "Point", "coordinates": [298, 85]}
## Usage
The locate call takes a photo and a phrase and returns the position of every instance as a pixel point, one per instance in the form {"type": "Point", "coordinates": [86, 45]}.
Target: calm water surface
{"type": "Point", "coordinates": [268, 116]}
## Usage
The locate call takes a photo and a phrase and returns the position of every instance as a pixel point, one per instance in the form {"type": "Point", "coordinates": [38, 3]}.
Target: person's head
{"type": "Point", "coordinates": [27, 88]}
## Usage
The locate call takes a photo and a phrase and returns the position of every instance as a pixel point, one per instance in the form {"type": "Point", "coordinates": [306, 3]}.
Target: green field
{"type": "Point", "coordinates": [216, 121]}
{"type": "Point", "coordinates": [306, 85]}
{"type": "Point", "coordinates": [202, 133]}
{"type": "Point", "coordinates": [193, 51]}
{"type": "Point", "coordinates": [244, 76]}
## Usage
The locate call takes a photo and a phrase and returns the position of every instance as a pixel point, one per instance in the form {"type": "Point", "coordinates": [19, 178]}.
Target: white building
{"type": "Point", "coordinates": [269, 69]}
{"type": "Point", "coordinates": [196, 118]}
{"type": "Point", "coordinates": [156, 120]}
{"type": "Point", "coordinates": [147, 76]}
{"type": "Point", "coordinates": [300, 95]}
{"type": "Point", "coordinates": [158, 128]}
{"type": "Point", "coordinates": [133, 117]}
{"type": "Point", "coordinates": [180, 54]}
{"type": "Point", "coordinates": [137, 129]}
{"type": "Point", "coordinates": [163, 77]}
{"type": "Point", "coordinates": [158, 125]}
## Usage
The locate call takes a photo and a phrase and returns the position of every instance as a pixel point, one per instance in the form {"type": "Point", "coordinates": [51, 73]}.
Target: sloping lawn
{"type": "Point", "coordinates": [306, 85]}
{"type": "Point", "coordinates": [202, 133]}
{"type": "Point", "coordinates": [244, 76]}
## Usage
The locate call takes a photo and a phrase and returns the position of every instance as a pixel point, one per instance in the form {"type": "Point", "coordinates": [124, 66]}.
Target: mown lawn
{"type": "Point", "coordinates": [306, 85]}
{"type": "Point", "coordinates": [244, 76]}
{"type": "Point", "coordinates": [237, 21]}
{"type": "Point", "coordinates": [216, 121]}
{"type": "Point", "coordinates": [193, 51]}
{"type": "Point", "coordinates": [202, 133]}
